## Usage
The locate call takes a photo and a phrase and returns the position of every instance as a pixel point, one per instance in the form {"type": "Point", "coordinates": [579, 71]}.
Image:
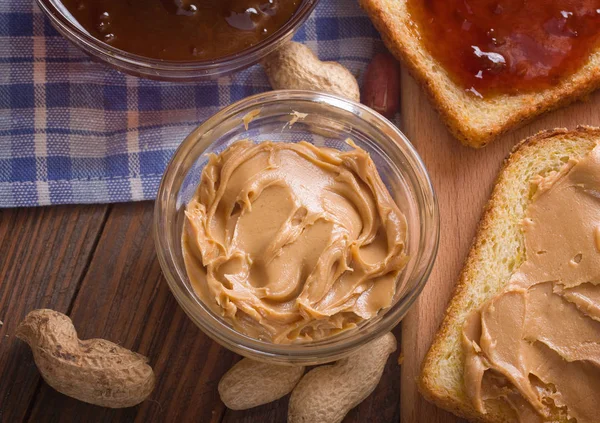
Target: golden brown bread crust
{"type": "Point", "coordinates": [498, 412]}
{"type": "Point", "coordinates": [400, 36]}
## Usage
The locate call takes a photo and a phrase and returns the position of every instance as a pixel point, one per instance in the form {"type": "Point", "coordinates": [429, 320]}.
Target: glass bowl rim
{"type": "Point", "coordinates": [230, 63]}
{"type": "Point", "coordinates": [296, 353]}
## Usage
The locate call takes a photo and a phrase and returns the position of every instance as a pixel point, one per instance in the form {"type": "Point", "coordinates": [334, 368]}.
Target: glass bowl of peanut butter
{"type": "Point", "coordinates": [296, 226]}
{"type": "Point", "coordinates": [178, 40]}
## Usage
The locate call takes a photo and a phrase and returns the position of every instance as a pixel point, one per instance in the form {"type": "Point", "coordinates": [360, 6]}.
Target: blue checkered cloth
{"type": "Point", "coordinates": [76, 131]}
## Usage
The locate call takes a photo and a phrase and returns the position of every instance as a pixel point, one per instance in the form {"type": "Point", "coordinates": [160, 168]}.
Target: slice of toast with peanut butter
{"type": "Point", "coordinates": [497, 252]}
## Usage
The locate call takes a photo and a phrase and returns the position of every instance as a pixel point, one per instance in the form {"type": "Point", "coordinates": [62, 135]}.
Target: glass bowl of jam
{"type": "Point", "coordinates": [301, 118]}
{"type": "Point", "coordinates": [178, 40]}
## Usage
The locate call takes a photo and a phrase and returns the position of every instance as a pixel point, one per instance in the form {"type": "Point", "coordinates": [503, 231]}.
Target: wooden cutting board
{"type": "Point", "coordinates": [462, 178]}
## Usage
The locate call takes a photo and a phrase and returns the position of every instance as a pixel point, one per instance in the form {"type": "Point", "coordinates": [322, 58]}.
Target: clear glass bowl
{"type": "Point", "coordinates": [329, 120]}
{"type": "Point", "coordinates": [169, 70]}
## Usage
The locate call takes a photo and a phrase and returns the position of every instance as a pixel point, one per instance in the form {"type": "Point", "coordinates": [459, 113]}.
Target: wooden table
{"type": "Point", "coordinates": [98, 265]}
{"type": "Point", "coordinates": [463, 180]}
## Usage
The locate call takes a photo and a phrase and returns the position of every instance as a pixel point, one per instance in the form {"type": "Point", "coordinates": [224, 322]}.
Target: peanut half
{"type": "Point", "coordinates": [94, 371]}
{"type": "Point", "coordinates": [295, 66]}
{"type": "Point", "coordinates": [381, 85]}
{"type": "Point", "coordinates": [327, 393]}
{"type": "Point", "coordinates": [251, 383]}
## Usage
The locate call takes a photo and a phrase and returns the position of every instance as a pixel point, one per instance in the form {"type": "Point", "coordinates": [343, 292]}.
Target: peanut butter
{"type": "Point", "coordinates": [536, 345]}
{"type": "Point", "coordinates": [292, 242]}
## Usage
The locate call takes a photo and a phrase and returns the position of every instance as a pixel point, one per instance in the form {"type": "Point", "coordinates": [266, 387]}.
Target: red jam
{"type": "Point", "coordinates": [508, 46]}
{"type": "Point", "coordinates": [187, 30]}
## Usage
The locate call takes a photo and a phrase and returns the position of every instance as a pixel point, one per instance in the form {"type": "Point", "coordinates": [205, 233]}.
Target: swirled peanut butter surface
{"type": "Point", "coordinates": [292, 242]}
{"type": "Point", "coordinates": [536, 345]}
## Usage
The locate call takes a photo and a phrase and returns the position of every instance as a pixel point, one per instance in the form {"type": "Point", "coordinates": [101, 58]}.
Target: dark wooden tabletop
{"type": "Point", "coordinates": [98, 265]}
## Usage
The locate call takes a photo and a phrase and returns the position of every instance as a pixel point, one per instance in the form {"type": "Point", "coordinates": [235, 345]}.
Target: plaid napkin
{"type": "Point", "coordinates": [76, 131]}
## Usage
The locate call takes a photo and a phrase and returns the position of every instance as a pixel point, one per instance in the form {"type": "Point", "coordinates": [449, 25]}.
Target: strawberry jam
{"type": "Point", "coordinates": [508, 46]}
{"type": "Point", "coordinates": [183, 30]}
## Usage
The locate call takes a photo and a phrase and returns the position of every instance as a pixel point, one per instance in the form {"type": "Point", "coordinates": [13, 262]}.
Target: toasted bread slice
{"type": "Point", "coordinates": [497, 251]}
{"type": "Point", "coordinates": [474, 121]}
